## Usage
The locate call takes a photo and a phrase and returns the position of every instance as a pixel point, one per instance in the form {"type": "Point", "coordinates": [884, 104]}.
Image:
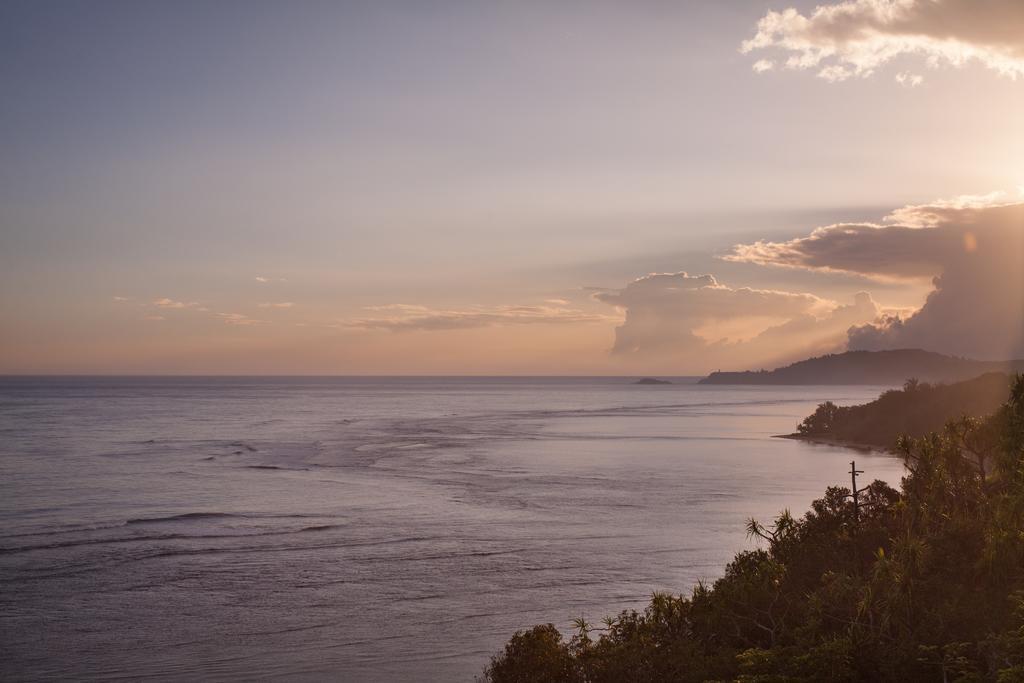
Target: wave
{"type": "Point", "coordinates": [277, 467]}
{"type": "Point", "coordinates": [58, 532]}
{"type": "Point", "coordinates": [187, 516]}
{"type": "Point", "coordinates": [183, 516]}
{"type": "Point", "coordinates": [219, 515]}
{"type": "Point", "coordinates": [164, 553]}
{"type": "Point", "coordinates": [320, 527]}
{"type": "Point", "coordinates": [159, 537]}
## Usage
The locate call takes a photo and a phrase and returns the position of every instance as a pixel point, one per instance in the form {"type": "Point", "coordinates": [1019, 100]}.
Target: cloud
{"type": "Point", "coordinates": [153, 317]}
{"type": "Point", "coordinates": [408, 317]}
{"type": "Point", "coordinates": [855, 37]}
{"type": "Point", "coordinates": [696, 323]}
{"type": "Point", "coordinates": [972, 248]}
{"type": "Point", "coordinates": [905, 245]}
{"type": "Point", "coordinates": [238, 319]}
{"type": "Point", "coordinates": [909, 80]}
{"type": "Point", "coordinates": [170, 303]}
{"type": "Point", "coordinates": [276, 304]}
{"type": "Point", "coordinates": [882, 252]}
{"type": "Point", "coordinates": [762, 65]}
{"type": "Point", "coordinates": [120, 299]}
{"type": "Point", "coordinates": [263, 279]}
{"type": "Point", "coordinates": [402, 308]}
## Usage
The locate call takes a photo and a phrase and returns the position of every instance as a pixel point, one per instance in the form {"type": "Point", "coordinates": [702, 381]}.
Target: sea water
{"type": "Point", "coordinates": [371, 529]}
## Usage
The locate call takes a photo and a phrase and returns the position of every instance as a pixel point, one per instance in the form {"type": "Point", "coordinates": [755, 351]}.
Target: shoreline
{"type": "Point", "coordinates": [842, 443]}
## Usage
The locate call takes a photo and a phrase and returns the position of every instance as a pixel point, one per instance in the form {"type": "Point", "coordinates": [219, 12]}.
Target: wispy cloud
{"type": "Point", "coordinates": [171, 303]}
{"type": "Point", "coordinates": [400, 308]}
{"type": "Point", "coordinates": [153, 317]}
{"type": "Point", "coordinates": [406, 317]}
{"type": "Point", "coordinates": [264, 279]}
{"type": "Point", "coordinates": [856, 37]}
{"type": "Point", "coordinates": [238, 319]}
{"type": "Point", "coordinates": [276, 304]}
{"type": "Point", "coordinates": [121, 299]}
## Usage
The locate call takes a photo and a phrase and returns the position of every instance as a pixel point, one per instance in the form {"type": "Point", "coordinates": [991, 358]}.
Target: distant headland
{"type": "Point", "coordinates": [870, 367]}
{"type": "Point", "coordinates": [915, 410]}
{"type": "Point", "coordinates": [652, 380]}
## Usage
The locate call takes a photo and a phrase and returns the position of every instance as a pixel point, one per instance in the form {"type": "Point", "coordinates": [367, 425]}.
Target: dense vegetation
{"type": "Point", "coordinates": [870, 367]}
{"type": "Point", "coordinates": [925, 584]}
{"type": "Point", "coordinates": [918, 409]}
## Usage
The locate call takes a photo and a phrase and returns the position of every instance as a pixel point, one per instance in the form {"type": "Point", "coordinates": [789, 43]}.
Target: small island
{"type": "Point", "coordinates": [652, 380]}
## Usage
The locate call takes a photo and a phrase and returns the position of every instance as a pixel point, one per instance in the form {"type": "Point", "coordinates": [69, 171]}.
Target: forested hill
{"type": "Point", "coordinates": [915, 410]}
{"type": "Point", "coordinates": [870, 367]}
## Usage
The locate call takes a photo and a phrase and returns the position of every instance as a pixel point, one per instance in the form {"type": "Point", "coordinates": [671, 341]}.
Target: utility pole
{"type": "Point", "coordinates": [855, 492]}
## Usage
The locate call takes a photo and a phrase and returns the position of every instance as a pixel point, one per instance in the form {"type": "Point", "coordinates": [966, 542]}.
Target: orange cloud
{"type": "Point", "coordinates": [855, 37]}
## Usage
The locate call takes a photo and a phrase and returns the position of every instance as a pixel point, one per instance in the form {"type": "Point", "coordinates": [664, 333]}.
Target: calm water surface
{"type": "Point", "coordinates": [369, 529]}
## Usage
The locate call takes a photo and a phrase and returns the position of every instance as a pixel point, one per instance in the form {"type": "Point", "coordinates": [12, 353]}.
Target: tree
{"type": "Point", "coordinates": [822, 421]}
{"type": "Point", "coordinates": [926, 584]}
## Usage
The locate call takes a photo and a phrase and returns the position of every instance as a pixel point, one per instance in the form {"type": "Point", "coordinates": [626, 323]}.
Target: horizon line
{"type": "Point", "coordinates": [362, 376]}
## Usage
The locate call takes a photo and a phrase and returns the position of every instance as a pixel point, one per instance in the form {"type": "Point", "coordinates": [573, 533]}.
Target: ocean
{"type": "Point", "coordinates": [371, 529]}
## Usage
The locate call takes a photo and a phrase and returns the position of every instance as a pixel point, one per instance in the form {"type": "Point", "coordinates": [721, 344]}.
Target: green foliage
{"type": "Point", "coordinates": [535, 656]}
{"type": "Point", "coordinates": [822, 422]}
{"type": "Point", "coordinates": [916, 410]}
{"type": "Point", "coordinates": [927, 584]}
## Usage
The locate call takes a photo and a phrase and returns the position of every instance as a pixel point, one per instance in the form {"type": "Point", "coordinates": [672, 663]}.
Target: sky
{"type": "Point", "coordinates": [507, 188]}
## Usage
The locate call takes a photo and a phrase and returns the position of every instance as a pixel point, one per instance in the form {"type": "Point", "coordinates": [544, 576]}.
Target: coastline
{"type": "Point", "coordinates": [842, 443]}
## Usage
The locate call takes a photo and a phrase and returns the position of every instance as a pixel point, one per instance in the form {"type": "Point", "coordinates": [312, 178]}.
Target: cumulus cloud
{"type": "Point", "coordinates": [855, 37]}
{"type": "Point", "coordinates": [407, 317]}
{"type": "Point", "coordinates": [695, 322]}
{"type": "Point", "coordinates": [972, 248]}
